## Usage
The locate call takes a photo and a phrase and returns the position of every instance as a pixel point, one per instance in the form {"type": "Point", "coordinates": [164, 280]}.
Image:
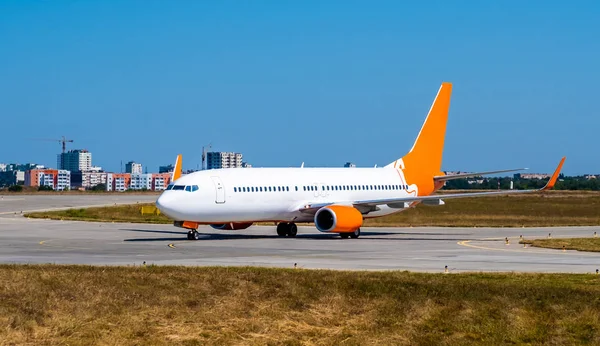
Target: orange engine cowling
{"type": "Point", "coordinates": [338, 219]}
{"type": "Point", "coordinates": [232, 226]}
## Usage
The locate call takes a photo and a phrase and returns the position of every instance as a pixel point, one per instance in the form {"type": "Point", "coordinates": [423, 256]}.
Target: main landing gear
{"type": "Point", "coordinates": [192, 235]}
{"type": "Point", "coordinates": [353, 235]}
{"type": "Point", "coordinates": [287, 229]}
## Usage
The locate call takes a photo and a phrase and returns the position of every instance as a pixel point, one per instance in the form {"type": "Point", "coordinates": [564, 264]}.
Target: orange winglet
{"type": "Point", "coordinates": [177, 168]}
{"type": "Point", "coordinates": [554, 176]}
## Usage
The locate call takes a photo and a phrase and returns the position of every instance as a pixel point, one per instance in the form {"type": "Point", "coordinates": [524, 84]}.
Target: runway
{"type": "Point", "coordinates": [426, 249]}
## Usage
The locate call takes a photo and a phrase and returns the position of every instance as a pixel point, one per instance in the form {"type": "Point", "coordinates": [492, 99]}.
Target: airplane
{"type": "Point", "coordinates": [337, 200]}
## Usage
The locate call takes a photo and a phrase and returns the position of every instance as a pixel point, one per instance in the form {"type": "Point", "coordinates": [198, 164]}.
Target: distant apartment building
{"type": "Point", "coordinates": [215, 160]}
{"type": "Point", "coordinates": [2, 167]}
{"type": "Point", "coordinates": [166, 169]}
{"type": "Point", "coordinates": [160, 181]}
{"type": "Point", "coordinates": [531, 176]}
{"type": "Point", "coordinates": [133, 168]}
{"type": "Point", "coordinates": [349, 165]}
{"type": "Point", "coordinates": [57, 179]}
{"type": "Point", "coordinates": [141, 182]}
{"type": "Point", "coordinates": [75, 160]}
{"type": "Point", "coordinates": [9, 178]}
{"type": "Point", "coordinates": [118, 181]}
{"type": "Point", "coordinates": [87, 180]}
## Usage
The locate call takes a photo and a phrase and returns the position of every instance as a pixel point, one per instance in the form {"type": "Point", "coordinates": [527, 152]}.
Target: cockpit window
{"type": "Point", "coordinates": [188, 188]}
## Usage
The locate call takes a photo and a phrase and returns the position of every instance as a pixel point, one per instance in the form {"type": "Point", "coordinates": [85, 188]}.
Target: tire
{"type": "Point", "coordinates": [292, 230]}
{"type": "Point", "coordinates": [190, 235]}
{"type": "Point", "coordinates": [344, 235]}
{"type": "Point", "coordinates": [355, 234]}
{"type": "Point", "coordinates": [282, 229]}
{"type": "Point", "coordinates": [195, 235]}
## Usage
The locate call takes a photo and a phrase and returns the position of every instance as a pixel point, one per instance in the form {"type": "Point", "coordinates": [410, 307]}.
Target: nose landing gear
{"type": "Point", "coordinates": [192, 235]}
{"type": "Point", "coordinates": [287, 229]}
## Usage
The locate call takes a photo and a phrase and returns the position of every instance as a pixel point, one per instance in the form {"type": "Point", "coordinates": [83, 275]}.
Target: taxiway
{"type": "Point", "coordinates": [428, 249]}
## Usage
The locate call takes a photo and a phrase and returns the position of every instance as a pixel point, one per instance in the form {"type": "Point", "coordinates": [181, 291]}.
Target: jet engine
{"type": "Point", "coordinates": [338, 219]}
{"type": "Point", "coordinates": [232, 226]}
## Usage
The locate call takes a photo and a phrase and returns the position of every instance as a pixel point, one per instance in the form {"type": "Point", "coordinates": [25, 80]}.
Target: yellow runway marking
{"type": "Point", "coordinates": [466, 243]}
{"type": "Point", "coordinates": [172, 246]}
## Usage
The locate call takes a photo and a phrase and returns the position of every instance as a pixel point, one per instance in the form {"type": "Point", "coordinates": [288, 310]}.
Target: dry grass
{"type": "Point", "coordinates": [118, 213]}
{"type": "Point", "coordinates": [580, 244]}
{"type": "Point", "coordinates": [549, 209]}
{"type": "Point", "coordinates": [80, 305]}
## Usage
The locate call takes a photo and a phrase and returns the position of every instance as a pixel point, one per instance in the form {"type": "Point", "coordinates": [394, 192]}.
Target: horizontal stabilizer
{"type": "Point", "coordinates": [477, 174]}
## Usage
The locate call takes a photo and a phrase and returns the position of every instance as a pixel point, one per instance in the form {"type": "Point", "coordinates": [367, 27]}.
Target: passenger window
{"type": "Point", "coordinates": [287, 188]}
{"type": "Point", "coordinates": [296, 188]}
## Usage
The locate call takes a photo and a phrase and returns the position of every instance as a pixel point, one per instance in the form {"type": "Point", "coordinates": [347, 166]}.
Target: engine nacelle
{"type": "Point", "coordinates": [338, 219]}
{"type": "Point", "coordinates": [232, 226]}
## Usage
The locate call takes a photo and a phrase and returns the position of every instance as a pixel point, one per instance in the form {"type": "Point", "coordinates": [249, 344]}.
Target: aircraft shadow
{"type": "Point", "coordinates": [365, 236]}
{"type": "Point", "coordinates": [153, 231]}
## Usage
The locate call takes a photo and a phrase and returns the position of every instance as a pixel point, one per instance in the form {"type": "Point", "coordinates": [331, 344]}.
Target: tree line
{"type": "Point", "coordinates": [563, 183]}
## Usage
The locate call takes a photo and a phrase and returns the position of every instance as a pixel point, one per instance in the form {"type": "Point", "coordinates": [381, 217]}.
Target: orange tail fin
{"type": "Point", "coordinates": [424, 160]}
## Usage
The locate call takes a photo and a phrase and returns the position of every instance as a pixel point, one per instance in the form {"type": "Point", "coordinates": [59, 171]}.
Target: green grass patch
{"type": "Point", "coordinates": [117, 213]}
{"type": "Point", "coordinates": [580, 244]}
{"type": "Point", "coordinates": [83, 305]}
{"type": "Point", "coordinates": [534, 210]}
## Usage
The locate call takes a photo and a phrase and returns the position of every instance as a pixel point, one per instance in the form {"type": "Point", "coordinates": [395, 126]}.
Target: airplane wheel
{"type": "Point", "coordinates": [192, 235]}
{"type": "Point", "coordinates": [344, 235]}
{"type": "Point", "coordinates": [282, 229]}
{"type": "Point", "coordinates": [355, 234]}
{"type": "Point", "coordinates": [292, 230]}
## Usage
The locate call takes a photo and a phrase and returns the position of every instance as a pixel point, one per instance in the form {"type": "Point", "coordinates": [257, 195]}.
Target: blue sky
{"type": "Point", "coordinates": [284, 82]}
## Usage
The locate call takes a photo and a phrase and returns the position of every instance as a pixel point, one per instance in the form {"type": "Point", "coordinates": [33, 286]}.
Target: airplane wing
{"type": "Point", "coordinates": [369, 205]}
{"type": "Point", "coordinates": [477, 174]}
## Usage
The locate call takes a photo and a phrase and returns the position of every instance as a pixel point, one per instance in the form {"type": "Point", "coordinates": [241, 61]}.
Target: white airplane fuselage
{"type": "Point", "coordinates": [277, 194]}
{"type": "Point", "coordinates": [336, 199]}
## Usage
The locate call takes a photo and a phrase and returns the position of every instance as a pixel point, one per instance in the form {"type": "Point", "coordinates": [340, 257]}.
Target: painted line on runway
{"type": "Point", "coordinates": [172, 246]}
{"type": "Point", "coordinates": [466, 243]}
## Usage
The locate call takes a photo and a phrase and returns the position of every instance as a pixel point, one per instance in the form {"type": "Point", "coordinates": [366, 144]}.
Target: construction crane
{"type": "Point", "coordinates": [63, 140]}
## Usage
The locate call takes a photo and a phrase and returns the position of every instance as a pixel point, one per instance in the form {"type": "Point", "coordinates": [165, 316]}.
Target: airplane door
{"type": "Point", "coordinates": [219, 190]}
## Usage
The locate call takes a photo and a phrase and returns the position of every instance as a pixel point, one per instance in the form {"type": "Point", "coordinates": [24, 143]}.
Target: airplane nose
{"type": "Point", "coordinates": [164, 203]}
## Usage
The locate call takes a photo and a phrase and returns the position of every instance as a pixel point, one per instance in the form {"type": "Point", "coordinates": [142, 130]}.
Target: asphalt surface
{"type": "Point", "coordinates": [427, 249]}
